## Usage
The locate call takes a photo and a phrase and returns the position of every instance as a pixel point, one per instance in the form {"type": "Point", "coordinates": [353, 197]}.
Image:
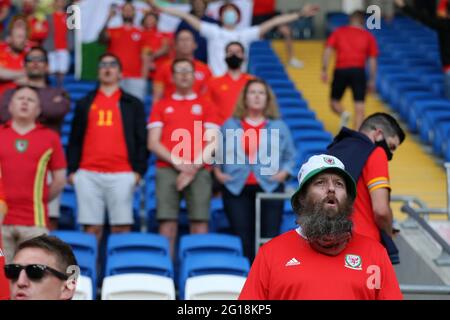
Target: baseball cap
{"type": "Point", "coordinates": [318, 164]}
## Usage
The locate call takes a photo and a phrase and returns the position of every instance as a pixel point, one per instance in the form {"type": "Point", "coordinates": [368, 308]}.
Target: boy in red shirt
{"type": "Point", "coordinates": [323, 259]}
{"type": "Point", "coordinates": [354, 46]}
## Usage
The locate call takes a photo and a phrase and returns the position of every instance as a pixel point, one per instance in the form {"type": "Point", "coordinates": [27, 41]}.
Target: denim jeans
{"type": "Point", "coordinates": [240, 211]}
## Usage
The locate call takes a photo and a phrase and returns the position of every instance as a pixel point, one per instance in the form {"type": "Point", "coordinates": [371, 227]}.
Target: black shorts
{"type": "Point", "coordinates": [353, 77]}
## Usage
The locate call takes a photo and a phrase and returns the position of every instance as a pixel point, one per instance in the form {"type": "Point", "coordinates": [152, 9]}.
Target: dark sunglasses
{"type": "Point", "coordinates": [35, 59]}
{"type": "Point", "coordinates": [108, 64]}
{"type": "Point", "coordinates": [34, 271]}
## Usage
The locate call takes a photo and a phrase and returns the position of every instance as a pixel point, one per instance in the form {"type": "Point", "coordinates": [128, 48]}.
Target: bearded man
{"type": "Point", "coordinates": [322, 258]}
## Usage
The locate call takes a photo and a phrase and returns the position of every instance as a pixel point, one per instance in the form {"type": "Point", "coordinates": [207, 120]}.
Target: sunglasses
{"type": "Point", "coordinates": [34, 271]}
{"type": "Point", "coordinates": [108, 64]}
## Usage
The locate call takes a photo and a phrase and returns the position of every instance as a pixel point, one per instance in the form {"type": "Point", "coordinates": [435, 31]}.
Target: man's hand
{"type": "Point", "coordinates": [400, 3]}
{"type": "Point", "coordinates": [187, 168]}
{"type": "Point", "coordinates": [222, 177]}
{"type": "Point", "coordinates": [184, 179]}
{"type": "Point", "coordinates": [309, 10]}
{"type": "Point", "coordinates": [324, 76]}
{"type": "Point", "coordinates": [137, 177]}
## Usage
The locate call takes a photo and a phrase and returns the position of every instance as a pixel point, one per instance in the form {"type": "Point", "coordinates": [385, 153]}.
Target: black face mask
{"type": "Point", "coordinates": [234, 62]}
{"type": "Point", "coordinates": [384, 145]}
{"type": "Point", "coordinates": [127, 20]}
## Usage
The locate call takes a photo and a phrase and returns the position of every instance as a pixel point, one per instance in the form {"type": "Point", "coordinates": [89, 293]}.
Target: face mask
{"type": "Point", "coordinates": [234, 62]}
{"type": "Point", "coordinates": [127, 20]}
{"type": "Point", "coordinates": [383, 144]}
{"type": "Point", "coordinates": [230, 17]}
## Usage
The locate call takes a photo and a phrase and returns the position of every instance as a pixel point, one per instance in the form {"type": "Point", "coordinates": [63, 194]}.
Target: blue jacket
{"type": "Point", "coordinates": [276, 152]}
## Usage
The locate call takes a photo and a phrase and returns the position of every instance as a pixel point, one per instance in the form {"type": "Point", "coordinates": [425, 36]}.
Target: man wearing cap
{"type": "Point", "coordinates": [322, 258]}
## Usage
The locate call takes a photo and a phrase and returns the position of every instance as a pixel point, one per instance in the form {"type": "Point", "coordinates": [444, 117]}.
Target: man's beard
{"type": "Point", "coordinates": [318, 222]}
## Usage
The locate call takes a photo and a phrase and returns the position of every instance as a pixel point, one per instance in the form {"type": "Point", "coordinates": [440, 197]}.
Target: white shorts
{"type": "Point", "coordinates": [59, 61]}
{"type": "Point", "coordinates": [97, 191]}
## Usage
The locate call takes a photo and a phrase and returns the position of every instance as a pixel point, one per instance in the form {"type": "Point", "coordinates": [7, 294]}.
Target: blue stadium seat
{"type": "Point", "coordinates": [194, 244]}
{"type": "Point", "coordinates": [312, 135]}
{"type": "Point", "coordinates": [134, 262]}
{"type": "Point", "coordinates": [429, 121]}
{"type": "Point", "coordinates": [137, 242]}
{"type": "Point", "coordinates": [291, 113]}
{"type": "Point", "coordinates": [292, 103]}
{"type": "Point", "coordinates": [418, 107]}
{"type": "Point", "coordinates": [203, 264]}
{"type": "Point", "coordinates": [301, 124]}
{"type": "Point", "coordinates": [281, 93]}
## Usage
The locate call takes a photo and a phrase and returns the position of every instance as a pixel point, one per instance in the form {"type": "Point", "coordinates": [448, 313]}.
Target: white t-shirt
{"type": "Point", "coordinates": [218, 38]}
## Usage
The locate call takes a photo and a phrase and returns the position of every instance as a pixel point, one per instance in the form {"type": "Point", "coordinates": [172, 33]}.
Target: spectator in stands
{"type": "Point", "coordinates": [182, 173]}
{"type": "Point", "coordinates": [218, 37]}
{"type": "Point", "coordinates": [28, 153]}
{"type": "Point", "coordinates": [37, 24]}
{"type": "Point", "coordinates": [55, 104]}
{"type": "Point", "coordinates": [164, 85]}
{"type": "Point", "coordinates": [224, 91]}
{"type": "Point", "coordinates": [5, 8]}
{"type": "Point", "coordinates": [441, 24]}
{"type": "Point", "coordinates": [323, 258]}
{"type": "Point", "coordinates": [258, 129]}
{"type": "Point", "coordinates": [59, 42]}
{"type": "Point", "coordinates": [126, 43]}
{"type": "Point", "coordinates": [198, 10]}
{"type": "Point", "coordinates": [366, 154]}
{"type": "Point", "coordinates": [354, 46]}
{"type": "Point", "coordinates": [107, 151]}
{"type": "Point", "coordinates": [12, 55]}
{"type": "Point", "coordinates": [264, 10]}
{"type": "Point", "coordinates": [155, 44]}
{"type": "Point", "coordinates": [43, 268]}
{"type": "Point", "coordinates": [4, 285]}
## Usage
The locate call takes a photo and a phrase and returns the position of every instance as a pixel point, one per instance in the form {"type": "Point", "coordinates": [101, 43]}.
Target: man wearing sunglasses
{"type": "Point", "coordinates": [43, 268]}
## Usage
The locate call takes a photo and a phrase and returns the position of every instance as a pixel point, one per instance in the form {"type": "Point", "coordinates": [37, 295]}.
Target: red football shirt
{"type": "Point", "coordinates": [263, 7]}
{"type": "Point", "coordinates": [4, 283]}
{"type": "Point", "coordinates": [224, 93]}
{"type": "Point", "coordinates": [38, 29]}
{"type": "Point", "coordinates": [375, 175]}
{"type": "Point", "coordinates": [126, 43]}
{"type": "Point", "coordinates": [104, 148]}
{"type": "Point", "coordinates": [287, 268]}
{"type": "Point", "coordinates": [26, 160]}
{"type": "Point", "coordinates": [250, 143]}
{"type": "Point", "coordinates": [60, 32]}
{"type": "Point", "coordinates": [152, 41]}
{"type": "Point", "coordinates": [178, 114]}
{"type": "Point", "coordinates": [10, 60]}
{"type": "Point", "coordinates": [353, 46]}
{"type": "Point", "coordinates": [163, 78]}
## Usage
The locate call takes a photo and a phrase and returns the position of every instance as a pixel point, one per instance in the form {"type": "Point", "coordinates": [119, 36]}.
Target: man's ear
{"type": "Point", "coordinates": [68, 290]}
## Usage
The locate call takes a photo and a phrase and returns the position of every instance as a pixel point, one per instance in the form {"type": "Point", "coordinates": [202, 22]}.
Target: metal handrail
{"type": "Point", "coordinates": [424, 289]}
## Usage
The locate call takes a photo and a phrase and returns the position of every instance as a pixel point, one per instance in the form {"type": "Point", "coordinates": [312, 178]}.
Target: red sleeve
{"type": "Point", "coordinates": [160, 77]}
{"type": "Point", "coordinates": [156, 117]}
{"type": "Point", "coordinates": [57, 160]}
{"type": "Point", "coordinates": [390, 289]}
{"type": "Point", "coordinates": [376, 170]}
{"type": "Point", "coordinates": [256, 285]}
{"type": "Point", "coordinates": [332, 40]}
{"type": "Point", "coordinates": [373, 49]}
{"type": "Point", "coordinates": [211, 117]}
{"type": "Point", "coordinates": [2, 191]}
{"type": "Point", "coordinates": [4, 283]}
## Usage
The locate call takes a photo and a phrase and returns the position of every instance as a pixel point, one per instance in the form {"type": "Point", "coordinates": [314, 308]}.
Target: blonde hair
{"type": "Point", "coordinates": [271, 111]}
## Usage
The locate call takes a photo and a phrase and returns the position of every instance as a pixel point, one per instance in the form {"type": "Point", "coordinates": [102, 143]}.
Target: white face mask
{"type": "Point", "coordinates": [230, 17]}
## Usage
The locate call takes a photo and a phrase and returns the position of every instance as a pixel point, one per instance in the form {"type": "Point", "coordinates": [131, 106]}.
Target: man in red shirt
{"type": "Point", "coordinates": [185, 46]}
{"type": "Point", "coordinates": [181, 165]}
{"type": "Point", "coordinates": [12, 54]}
{"type": "Point", "coordinates": [4, 285]}
{"type": "Point", "coordinates": [38, 26]}
{"type": "Point", "coordinates": [264, 10]}
{"type": "Point", "coordinates": [59, 42]}
{"type": "Point", "coordinates": [28, 153]}
{"type": "Point", "coordinates": [126, 43]}
{"type": "Point", "coordinates": [224, 91]}
{"type": "Point", "coordinates": [107, 152]}
{"type": "Point", "coordinates": [354, 46]}
{"type": "Point", "coordinates": [323, 259]}
{"type": "Point", "coordinates": [366, 154]}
